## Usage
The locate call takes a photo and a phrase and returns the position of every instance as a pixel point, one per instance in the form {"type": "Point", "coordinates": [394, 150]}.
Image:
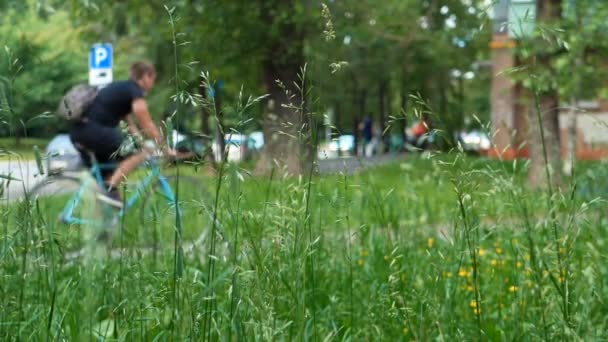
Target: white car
{"type": "Point", "coordinates": [475, 141]}
{"type": "Point", "coordinates": [235, 146]}
{"type": "Point", "coordinates": [62, 155]}
{"type": "Point", "coordinates": [343, 145]}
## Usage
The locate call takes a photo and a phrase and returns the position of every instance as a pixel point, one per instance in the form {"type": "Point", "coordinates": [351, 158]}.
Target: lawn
{"type": "Point", "coordinates": [9, 149]}
{"type": "Point", "coordinates": [447, 248]}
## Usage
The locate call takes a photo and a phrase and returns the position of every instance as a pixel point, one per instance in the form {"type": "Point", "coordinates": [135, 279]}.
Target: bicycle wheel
{"type": "Point", "coordinates": [53, 193]}
{"type": "Point", "coordinates": [157, 220]}
{"type": "Point", "coordinates": [50, 197]}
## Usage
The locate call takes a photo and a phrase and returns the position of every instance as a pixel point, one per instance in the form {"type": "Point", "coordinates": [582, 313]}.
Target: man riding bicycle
{"type": "Point", "coordinates": [98, 130]}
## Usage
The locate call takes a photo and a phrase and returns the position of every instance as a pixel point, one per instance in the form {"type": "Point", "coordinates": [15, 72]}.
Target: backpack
{"type": "Point", "coordinates": [76, 101]}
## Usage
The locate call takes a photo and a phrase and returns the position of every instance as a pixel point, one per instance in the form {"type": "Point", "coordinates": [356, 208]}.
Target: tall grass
{"type": "Point", "coordinates": [485, 268]}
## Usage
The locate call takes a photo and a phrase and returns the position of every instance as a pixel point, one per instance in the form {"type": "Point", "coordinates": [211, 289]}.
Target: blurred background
{"type": "Point", "coordinates": [376, 76]}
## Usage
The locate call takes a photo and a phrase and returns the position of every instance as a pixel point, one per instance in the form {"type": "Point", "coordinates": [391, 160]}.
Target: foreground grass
{"type": "Point", "coordinates": [448, 248]}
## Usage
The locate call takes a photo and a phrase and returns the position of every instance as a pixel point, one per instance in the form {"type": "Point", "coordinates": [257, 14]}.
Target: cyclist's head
{"type": "Point", "coordinates": [144, 74]}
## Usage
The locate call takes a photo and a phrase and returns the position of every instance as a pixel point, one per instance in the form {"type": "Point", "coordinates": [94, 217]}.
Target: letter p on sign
{"type": "Point", "coordinates": [100, 55]}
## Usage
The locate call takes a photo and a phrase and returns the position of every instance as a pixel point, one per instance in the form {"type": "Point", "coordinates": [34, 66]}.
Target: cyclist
{"type": "Point", "coordinates": [98, 130]}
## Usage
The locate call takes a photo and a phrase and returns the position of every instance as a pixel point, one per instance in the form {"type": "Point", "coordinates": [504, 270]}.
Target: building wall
{"type": "Point", "coordinates": [511, 103]}
{"type": "Point", "coordinates": [591, 134]}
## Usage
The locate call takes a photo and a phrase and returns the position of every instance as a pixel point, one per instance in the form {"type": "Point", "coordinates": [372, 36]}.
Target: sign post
{"type": "Point", "coordinates": [100, 65]}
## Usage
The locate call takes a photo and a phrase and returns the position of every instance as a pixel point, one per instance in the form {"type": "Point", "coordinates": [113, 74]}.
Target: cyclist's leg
{"type": "Point", "coordinates": [126, 166]}
{"type": "Point", "coordinates": [104, 142]}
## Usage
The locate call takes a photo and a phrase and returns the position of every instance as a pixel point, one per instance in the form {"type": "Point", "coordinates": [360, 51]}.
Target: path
{"type": "Point", "coordinates": [27, 173]}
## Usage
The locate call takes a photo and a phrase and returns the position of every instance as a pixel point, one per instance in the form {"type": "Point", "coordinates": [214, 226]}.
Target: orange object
{"type": "Point", "coordinates": [419, 129]}
{"type": "Point", "coordinates": [500, 44]}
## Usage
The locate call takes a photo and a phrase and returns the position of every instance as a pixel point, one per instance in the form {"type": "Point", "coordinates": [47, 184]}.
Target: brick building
{"type": "Point", "coordinates": [511, 102]}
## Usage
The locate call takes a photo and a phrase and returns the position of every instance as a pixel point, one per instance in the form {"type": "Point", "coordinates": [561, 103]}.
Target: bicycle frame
{"type": "Point", "coordinates": [67, 215]}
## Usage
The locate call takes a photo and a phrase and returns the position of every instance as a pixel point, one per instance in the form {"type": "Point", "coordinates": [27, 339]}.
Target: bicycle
{"type": "Point", "coordinates": [61, 196]}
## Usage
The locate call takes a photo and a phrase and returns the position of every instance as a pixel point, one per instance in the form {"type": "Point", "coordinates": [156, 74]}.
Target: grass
{"type": "Point", "coordinates": [446, 248]}
{"type": "Point", "coordinates": [9, 149]}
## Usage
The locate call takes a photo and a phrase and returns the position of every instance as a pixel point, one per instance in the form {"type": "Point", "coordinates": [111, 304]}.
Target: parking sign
{"type": "Point", "coordinates": [100, 64]}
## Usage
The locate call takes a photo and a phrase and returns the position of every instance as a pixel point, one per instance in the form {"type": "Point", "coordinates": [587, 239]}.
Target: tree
{"type": "Point", "coordinates": [282, 67]}
{"type": "Point", "coordinates": [581, 71]}
{"type": "Point", "coordinates": [35, 71]}
{"type": "Point", "coordinates": [544, 138]}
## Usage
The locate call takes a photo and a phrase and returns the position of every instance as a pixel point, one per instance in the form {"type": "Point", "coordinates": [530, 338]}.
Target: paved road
{"type": "Point", "coordinates": [353, 164]}
{"type": "Point", "coordinates": [27, 172]}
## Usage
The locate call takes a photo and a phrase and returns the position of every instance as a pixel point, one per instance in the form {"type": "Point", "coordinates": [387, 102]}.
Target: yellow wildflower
{"type": "Point", "coordinates": [360, 262]}
{"type": "Point", "coordinates": [499, 250]}
{"type": "Point", "coordinates": [494, 262]}
{"type": "Point", "coordinates": [447, 274]}
{"type": "Point", "coordinates": [430, 242]}
{"type": "Point", "coordinates": [473, 303]}
{"type": "Point", "coordinates": [463, 273]}
{"type": "Point", "coordinates": [364, 252]}
{"type": "Point", "coordinates": [470, 288]}
{"type": "Point", "coordinates": [513, 288]}
{"type": "Point", "coordinates": [477, 311]}
{"type": "Point", "coordinates": [519, 264]}
{"type": "Point", "coordinates": [387, 257]}
{"type": "Point", "coordinates": [562, 276]}
{"type": "Point", "coordinates": [481, 252]}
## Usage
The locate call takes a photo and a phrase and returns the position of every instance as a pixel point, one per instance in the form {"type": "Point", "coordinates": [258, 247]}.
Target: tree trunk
{"type": "Point", "coordinates": [286, 125]}
{"type": "Point", "coordinates": [447, 121]}
{"type": "Point", "coordinates": [545, 141]}
{"type": "Point", "coordinates": [359, 120]}
{"type": "Point", "coordinates": [337, 128]}
{"type": "Point", "coordinates": [549, 141]}
{"type": "Point", "coordinates": [572, 135]}
{"type": "Point", "coordinates": [404, 104]}
{"type": "Point", "coordinates": [219, 114]}
{"type": "Point", "coordinates": [382, 98]}
{"type": "Point", "coordinates": [205, 129]}
{"type": "Point", "coordinates": [572, 115]}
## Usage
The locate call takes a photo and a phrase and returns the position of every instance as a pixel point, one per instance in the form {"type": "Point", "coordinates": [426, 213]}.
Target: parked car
{"type": "Point", "coordinates": [62, 155]}
{"type": "Point", "coordinates": [256, 141]}
{"type": "Point", "coordinates": [343, 145]}
{"type": "Point", "coordinates": [188, 144]}
{"type": "Point", "coordinates": [475, 141]}
{"type": "Point", "coordinates": [238, 147]}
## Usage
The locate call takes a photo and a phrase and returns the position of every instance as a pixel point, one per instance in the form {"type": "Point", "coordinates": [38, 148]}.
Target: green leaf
{"type": "Point", "coordinates": [38, 157]}
{"type": "Point", "coordinates": [9, 178]}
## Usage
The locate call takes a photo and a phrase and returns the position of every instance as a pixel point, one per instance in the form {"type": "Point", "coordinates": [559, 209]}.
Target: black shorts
{"type": "Point", "coordinates": [103, 141]}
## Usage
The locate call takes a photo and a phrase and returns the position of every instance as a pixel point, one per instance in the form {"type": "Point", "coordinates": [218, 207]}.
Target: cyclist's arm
{"type": "Point", "coordinates": [140, 110]}
{"type": "Point", "coordinates": [132, 126]}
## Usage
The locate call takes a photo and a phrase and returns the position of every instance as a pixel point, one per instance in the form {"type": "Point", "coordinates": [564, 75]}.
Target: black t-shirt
{"type": "Point", "coordinates": [114, 102]}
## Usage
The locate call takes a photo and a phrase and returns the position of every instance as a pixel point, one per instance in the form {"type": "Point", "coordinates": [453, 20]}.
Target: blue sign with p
{"type": "Point", "coordinates": [101, 56]}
